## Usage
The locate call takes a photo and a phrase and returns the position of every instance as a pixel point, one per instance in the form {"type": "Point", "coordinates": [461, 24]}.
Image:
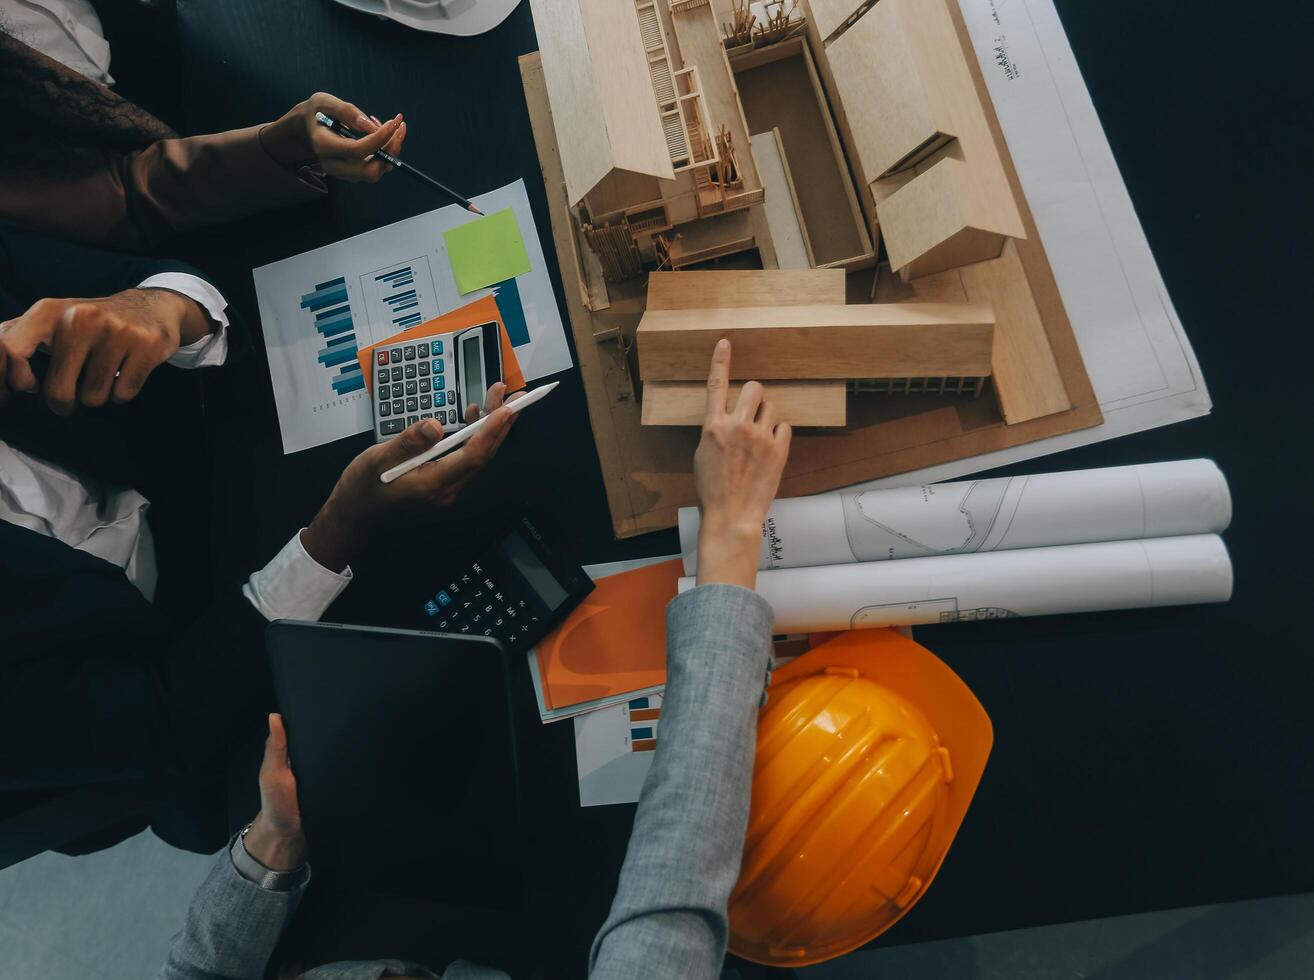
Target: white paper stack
{"type": "Point", "coordinates": [1120, 538]}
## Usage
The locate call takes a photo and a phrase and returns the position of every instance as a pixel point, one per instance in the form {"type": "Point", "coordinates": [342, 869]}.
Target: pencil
{"type": "Point", "coordinates": [332, 124]}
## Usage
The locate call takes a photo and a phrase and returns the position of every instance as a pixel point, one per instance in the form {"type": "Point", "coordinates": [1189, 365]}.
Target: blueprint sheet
{"type": "Point", "coordinates": [1074, 578]}
{"type": "Point", "coordinates": [1136, 353]}
{"type": "Point", "coordinates": [1116, 503]}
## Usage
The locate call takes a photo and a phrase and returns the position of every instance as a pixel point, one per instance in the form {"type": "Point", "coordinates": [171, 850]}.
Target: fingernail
{"type": "Point", "coordinates": [362, 122]}
{"type": "Point", "coordinates": [376, 120]}
{"type": "Point", "coordinates": [722, 345]}
{"type": "Point", "coordinates": [430, 428]}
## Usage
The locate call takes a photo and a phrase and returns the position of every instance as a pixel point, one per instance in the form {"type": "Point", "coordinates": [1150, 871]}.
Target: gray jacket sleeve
{"type": "Point", "coordinates": [669, 915]}
{"type": "Point", "coordinates": [232, 927]}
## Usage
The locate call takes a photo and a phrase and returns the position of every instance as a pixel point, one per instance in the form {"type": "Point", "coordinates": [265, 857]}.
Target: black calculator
{"type": "Point", "coordinates": [516, 591]}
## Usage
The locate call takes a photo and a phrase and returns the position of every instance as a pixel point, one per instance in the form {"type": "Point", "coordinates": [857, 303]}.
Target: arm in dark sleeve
{"type": "Point", "coordinates": [669, 915]}
{"type": "Point", "coordinates": [142, 702]}
{"type": "Point", "coordinates": [34, 267]}
{"type": "Point", "coordinates": [138, 200]}
{"type": "Point", "coordinates": [133, 199]}
{"type": "Point", "coordinates": [138, 702]}
{"type": "Point", "coordinates": [180, 185]}
{"type": "Point", "coordinates": [231, 929]}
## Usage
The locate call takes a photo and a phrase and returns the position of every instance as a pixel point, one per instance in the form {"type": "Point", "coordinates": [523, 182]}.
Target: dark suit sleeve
{"type": "Point", "coordinates": [138, 200]}
{"type": "Point", "coordinates": [34, 267]}
{"type": "Point", "coordinates": [180, 185]}
{"type": "Point", "coordinates": [101, 690]}
{"type": "Point", "coordinates": [99, 685]}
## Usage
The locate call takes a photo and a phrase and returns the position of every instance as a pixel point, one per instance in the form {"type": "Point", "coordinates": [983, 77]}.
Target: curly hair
{"type": "Point", "coordinates": [68, 122]}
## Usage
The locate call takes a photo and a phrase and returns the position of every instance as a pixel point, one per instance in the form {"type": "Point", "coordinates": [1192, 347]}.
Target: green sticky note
{"type": "Point", "coordinates": [486, 251]}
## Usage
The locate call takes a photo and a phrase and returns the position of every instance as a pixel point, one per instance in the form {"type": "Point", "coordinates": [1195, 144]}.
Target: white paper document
{"type": "Point", "coordinates": [614, 749]}
{"type": "Point", "coordinates": [1074, 578]}
{"type": "Point", "coordinates": [1136, 353]}
{"type": "Point", "coordinates": [318, 308]}
{"type": "Point", "coordinates": [1116, 503]}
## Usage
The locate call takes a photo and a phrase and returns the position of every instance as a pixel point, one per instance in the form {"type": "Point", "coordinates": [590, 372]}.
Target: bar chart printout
{"type": "Point", "coordinates": [614, 748]}
{"type": "Point", "coordinates": [328, 303]}
{"type": "Point", "coordinates": [404, 302]}
{"type": "Point", "coordinates": [400, 296]}
{"type": "Point", "coordinates": [643, 724]}
{"type": "Point", "coordinates": [396, 278]}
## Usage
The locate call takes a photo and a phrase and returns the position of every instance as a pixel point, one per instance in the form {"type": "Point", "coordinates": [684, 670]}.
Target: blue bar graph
{"type": "Point", "coordinates": [349, 379]}
{"type": "Point", "coordinates": [402, 296]}
{"type": "Point", "coordinates": [507, 295]}
{"type": "Point", "coordinates": [329, 293]}
{"type": "Point", "coordinates": [333, 356]}
{"type": "Point", "coordinates": [333, 321]}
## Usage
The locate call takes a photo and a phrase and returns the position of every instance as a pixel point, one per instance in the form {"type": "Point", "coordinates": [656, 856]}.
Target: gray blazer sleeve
{"type": "Point", "coordinates": [232, 927]}
{"type": "Point", "coordinates": [669, 915]}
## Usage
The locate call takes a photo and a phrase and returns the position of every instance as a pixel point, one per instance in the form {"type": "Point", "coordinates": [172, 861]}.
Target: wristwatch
{"type": "Point", "coordinates": [256, 873]}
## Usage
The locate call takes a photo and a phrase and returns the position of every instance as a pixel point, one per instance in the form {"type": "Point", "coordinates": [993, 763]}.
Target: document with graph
{"type": "Point", "coordinates": [614, 750]}
{"type": "Point", "coordinates": [318, 308]}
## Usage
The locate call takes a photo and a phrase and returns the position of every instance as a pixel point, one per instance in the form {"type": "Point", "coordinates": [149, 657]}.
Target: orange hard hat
{"type": "Point", "coordinates": [868, 752]}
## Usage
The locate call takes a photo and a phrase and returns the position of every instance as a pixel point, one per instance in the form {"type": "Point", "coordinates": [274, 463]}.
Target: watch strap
{"type": "Point", "coordinates": [256, 873]}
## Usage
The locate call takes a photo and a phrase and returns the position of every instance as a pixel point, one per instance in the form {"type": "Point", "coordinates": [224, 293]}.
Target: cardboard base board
{"type": "Point", "coordinates": [647, 470]}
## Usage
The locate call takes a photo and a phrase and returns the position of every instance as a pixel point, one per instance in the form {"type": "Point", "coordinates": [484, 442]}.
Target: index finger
{"type": "Point", "coordinates": [367, 146]}
{"type": "Point", "coordinates": [718, 380]}
{"type": "Point", "coordinates": [22, 336]}
{"type": "Point", "coordinates": [277, 734]}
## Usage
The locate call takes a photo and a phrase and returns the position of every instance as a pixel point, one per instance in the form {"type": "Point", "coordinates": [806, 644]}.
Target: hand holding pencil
{"type": "Point", "coordinates": [297, 139]}
{"type": "Point", "coordinates": [338, 128]}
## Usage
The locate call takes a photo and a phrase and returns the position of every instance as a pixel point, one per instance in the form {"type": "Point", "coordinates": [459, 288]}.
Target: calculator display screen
{"type": "Point", "coordinates": [472, 363]}
{"type": "Point", "coordinates": [534, 572]}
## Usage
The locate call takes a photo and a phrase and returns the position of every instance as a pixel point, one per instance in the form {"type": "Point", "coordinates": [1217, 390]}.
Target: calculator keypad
{"type": "Point", "coordinates": [478, 602]}
{"type": "Point", "coordinates": [411, 384]}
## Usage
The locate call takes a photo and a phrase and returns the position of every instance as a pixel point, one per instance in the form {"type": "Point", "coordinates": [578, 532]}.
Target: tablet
{"type": "Point", "coordinates": [404, 752]}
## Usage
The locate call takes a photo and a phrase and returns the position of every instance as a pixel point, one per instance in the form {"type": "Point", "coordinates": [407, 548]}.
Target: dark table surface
{"type": "Point", "coordinates": [1142, 760]}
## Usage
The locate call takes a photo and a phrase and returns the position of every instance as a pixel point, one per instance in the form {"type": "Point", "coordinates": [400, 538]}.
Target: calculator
{"type": "Point", "coordinates": [516, 591]}
{"type": "Point", "coordinates": [434, 378]}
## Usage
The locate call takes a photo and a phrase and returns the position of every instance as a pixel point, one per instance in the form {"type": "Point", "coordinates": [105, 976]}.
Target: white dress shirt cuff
{"type": "Point", "coordinates": [294, 585]}
{"type": "Point", "coordinates": [209, 351]}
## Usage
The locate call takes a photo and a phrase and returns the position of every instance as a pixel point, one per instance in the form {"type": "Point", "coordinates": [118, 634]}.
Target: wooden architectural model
{"type": "Point", "coordinates": [823, 182]}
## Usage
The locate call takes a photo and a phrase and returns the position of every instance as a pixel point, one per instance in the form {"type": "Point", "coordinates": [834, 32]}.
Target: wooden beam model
{"type": "Point", "coordinates": [803, 404]}
{"type": "Point", "coordinates": [800, 403]}
{"type": "Point", "coordinates": [880, 340]}
{"type": "Point", "coordinates": [745, 288]}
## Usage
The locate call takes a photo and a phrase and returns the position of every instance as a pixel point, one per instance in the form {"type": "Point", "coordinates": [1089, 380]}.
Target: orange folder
{"type": "Point", "coordinates": [614, 642]}
{"type": "Point", "coordinates": [472, 314]}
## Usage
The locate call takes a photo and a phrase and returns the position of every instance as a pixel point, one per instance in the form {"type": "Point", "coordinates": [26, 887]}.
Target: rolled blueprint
{"type": "Point", "coordinates": [1119, 503]}
{"type": "Point", "coordinates": [999, 585]}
